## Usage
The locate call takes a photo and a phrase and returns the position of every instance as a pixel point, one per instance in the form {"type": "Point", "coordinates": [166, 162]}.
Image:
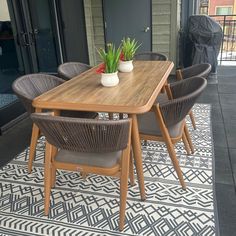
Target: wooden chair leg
{"type": "Point", "coordinates": [84, 175]}
{"type": "Point", "coordinates": [33, 144]}
{"type": "Point", "coordinates": [131, 170]}
{"type": "Point", "coordinates": [124, 186]}
{"type": "Point", "coordinates": [53, 169]}
{"type": "Point", "coordinates": [186, 145]}
{"type": "Point", "coordinates": [47, 178]}
{"type": "Point", "coordinates": [192, 120]}
{"type": "Point", "coordinates": [170, 146]}
{"type": "Point", "coordinates": [188, 138]}
{"type": "Point", "coordinates": [175, 162]}
{"type": "Point", "coordinates": [110, 116]}
{"type": "Point", "coordinates": [179, 75]}
{"type": "Point", "coordinates": [53, 177]}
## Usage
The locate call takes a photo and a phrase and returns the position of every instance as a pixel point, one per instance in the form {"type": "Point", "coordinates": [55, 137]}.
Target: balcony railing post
{"type": "Point", "coordinates": [222, 43]}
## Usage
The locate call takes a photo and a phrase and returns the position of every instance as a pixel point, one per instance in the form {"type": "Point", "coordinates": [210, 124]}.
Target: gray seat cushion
{"type": "Point", "coordinates": [161, 98]}
{"type": "Point", "coordinates": [148, 124]}
{"type": "Point", "coordinates": [105, 160]}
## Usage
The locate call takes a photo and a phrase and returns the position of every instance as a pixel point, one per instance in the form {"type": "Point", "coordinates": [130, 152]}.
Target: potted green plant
{"type": "Point", "coordinates": [129, 48]}
{"type": "Point", "coordinates": [109, 68]}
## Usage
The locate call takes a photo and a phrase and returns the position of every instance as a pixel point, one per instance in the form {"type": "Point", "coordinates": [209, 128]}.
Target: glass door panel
{"type": "Point", "coordinates": [11, 54]}
{"type": "Point", "coordinates": [42, 35]}
{"type": "Point", "coordinates": [12, 64]}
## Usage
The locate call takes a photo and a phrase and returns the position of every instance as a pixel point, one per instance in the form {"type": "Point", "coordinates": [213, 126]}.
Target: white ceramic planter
{"type": "Point", "coordinates": [125, 66]}
{"type": "Point", "coordinates": [109, 79]}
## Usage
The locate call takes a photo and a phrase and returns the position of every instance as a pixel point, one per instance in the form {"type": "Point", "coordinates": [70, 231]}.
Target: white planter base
{"type": "Point", "coordinates": [109, 79]}
{"type": "Point", "coordinates": [125, 66]}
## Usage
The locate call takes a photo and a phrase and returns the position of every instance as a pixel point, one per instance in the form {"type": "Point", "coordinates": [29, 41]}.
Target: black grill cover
{"type": "Point", "coordinates": [206, 35]}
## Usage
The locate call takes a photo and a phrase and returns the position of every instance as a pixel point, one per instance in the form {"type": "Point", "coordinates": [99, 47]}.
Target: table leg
{"type": "Point", "coordinates": [136, 144]}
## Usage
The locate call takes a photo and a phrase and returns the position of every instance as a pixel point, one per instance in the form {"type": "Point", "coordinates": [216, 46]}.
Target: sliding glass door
{"type": "Point", "coordinates": [34, 25]}
{"type": "Point", "coordinates": [28, 44]}
{"type": "Point", "coordinates": [72, 30]}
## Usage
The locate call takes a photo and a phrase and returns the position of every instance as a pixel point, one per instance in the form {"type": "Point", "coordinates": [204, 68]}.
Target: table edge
{"type": "Point", "coordinates": [107, 108]}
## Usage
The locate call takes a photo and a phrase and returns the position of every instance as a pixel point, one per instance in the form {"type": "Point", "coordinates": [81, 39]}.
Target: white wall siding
{"type": "Point", "coordinates": [89, 31]}
{"type": "Point", "coordinates": [94, 28]}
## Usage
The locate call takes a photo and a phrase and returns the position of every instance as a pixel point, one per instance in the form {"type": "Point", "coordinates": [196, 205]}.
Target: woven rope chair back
{"type": "Point", "coordinates": [185, 94]}
{"type": "Point", "coordinates": [30, 86]}
{"type": "Point", "coordinates": [71, 69]}
{"type": "Point", "coordinates": [199, 70]}
{"type": "Point", "coordinates": [150, 56]}
{"type": "Point", "coordinates": [84, 135]}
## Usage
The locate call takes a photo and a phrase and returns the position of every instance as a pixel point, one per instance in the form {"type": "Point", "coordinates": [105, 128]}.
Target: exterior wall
{"type": "Point", "coordinates": [214, 3]}
{"type": "Point", "coordinates": [94, 28]}
{"type": "Point", "coordinates": [89, 31]}
{"type": "Point", "coordinates": [161, 26]}
{"type": "Point", "coordinates": [165, 28]}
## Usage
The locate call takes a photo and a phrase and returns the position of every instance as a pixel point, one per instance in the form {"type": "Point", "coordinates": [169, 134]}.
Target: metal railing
{"type": "Point", "coordinates": [228, 47]}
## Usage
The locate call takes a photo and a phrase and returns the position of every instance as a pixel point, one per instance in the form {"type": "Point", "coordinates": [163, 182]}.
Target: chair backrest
{"type": "Point", "coordinates": [185, 93]}
{"type": "Point", "coordinates": [150, 56]}
{"type": "Point", "coordinates": [30, 86]}
{"type": "Point", "coordinates": [83, 135]}
{"type": "Point", "coordinates": [71, 69]}
{"type": "Point", "coordinates": [199, 70]}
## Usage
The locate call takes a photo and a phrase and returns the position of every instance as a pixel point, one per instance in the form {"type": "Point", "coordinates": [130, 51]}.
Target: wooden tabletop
{"type": "Point", "coordinates": [135, 93]}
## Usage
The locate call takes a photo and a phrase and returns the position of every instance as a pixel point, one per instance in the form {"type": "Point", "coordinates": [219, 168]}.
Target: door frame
{"type": "Point", "coordinates": [60, 25]}
{"type": "Point", "coordinates": [21, 20]}
{"type": "Point", "coordinates": [58, 16]}
{"type": "Point", "coordinates": [18, 28]}
{"type": "Point", "coordinates": [104, 23]}
{"type": "Point", "coordinates": [56, 30]}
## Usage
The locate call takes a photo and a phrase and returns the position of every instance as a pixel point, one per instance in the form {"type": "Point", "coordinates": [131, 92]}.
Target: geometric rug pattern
{"type": "Point", "coordinates": [91, 207]}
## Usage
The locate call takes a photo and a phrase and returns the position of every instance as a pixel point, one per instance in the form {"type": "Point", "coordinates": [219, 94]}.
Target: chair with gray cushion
{"type": "Point", "coordinates": [166, 121]}
{"type": "Point", "coordinates": [150, 56]}
{"type": "Point", "coordinates": [69, 70]}
{"type": "Point", "coordinates": [29, 87]}
{"type": "Point", "coordinates": [91, 146]}
{"type": "Point", "coordinates": [199, 70]}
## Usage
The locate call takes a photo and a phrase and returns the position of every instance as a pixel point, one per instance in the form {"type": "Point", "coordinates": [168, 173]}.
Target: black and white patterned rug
{"type": "Point", "coordinates": [91, 206]}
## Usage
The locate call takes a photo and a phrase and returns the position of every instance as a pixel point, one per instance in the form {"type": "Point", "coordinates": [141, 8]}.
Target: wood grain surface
{"type": "Point", "coordinates": [135, 93]}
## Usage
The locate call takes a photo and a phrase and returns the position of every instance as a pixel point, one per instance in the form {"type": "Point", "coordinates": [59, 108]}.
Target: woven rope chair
{"type": "Point", "coordinates": [150, 56]}
{"type": "Point", "coordinates": [69, 70]}
{"type": "Point", "coordinates": [29, 87]}
{"type": "Point", "coordinates": [91, 146]}
{"type": "Point", "coordinates": [166, 122]}
{"type": "Point", "coordinates": [199, 70]}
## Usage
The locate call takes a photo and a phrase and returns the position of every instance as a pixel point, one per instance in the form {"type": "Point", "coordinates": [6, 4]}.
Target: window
{"type": "Point", "coordinates": [223, 10]}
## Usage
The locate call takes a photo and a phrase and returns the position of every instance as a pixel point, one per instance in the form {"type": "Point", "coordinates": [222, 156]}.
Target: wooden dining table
{"type": "Point", "coordinates": [135, 94]}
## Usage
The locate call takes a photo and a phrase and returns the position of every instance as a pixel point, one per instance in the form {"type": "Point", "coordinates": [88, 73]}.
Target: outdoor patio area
{"type": "Point", "coordinates": [220, 94]}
